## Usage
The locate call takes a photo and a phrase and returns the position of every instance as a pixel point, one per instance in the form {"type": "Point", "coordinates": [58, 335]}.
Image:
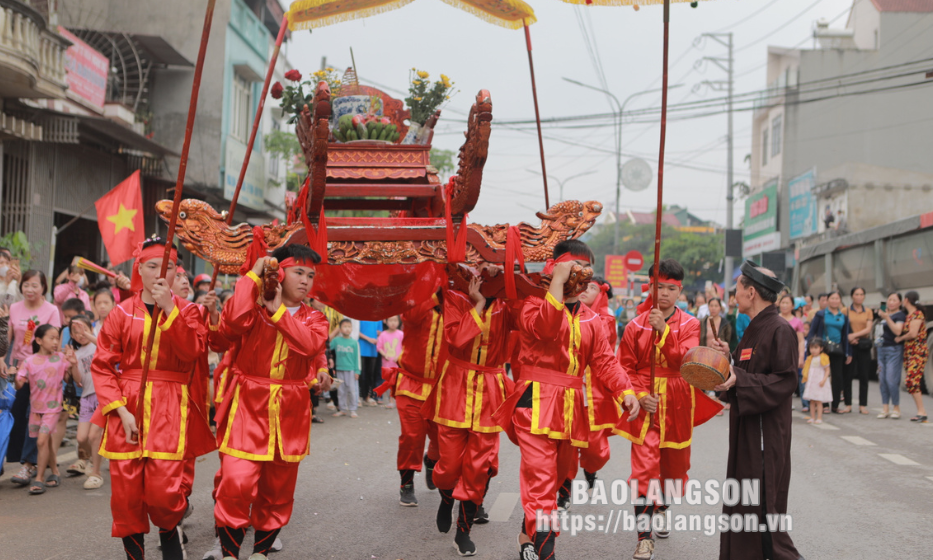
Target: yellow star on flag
{"type": "Point", "coordinates": [123, 219]}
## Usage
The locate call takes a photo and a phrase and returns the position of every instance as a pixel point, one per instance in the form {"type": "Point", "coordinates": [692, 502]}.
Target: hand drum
{"type": "Point", "coordinates": [705, 368]}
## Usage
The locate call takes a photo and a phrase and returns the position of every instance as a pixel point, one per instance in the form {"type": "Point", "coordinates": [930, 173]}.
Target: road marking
{"type": "Point", "coordinates": [825, 426]}
{"type": "Point", "coordinates": [857, 440]}
{"type": "Point", "coordinates": [502, 510]}
{"type": "Point", "coordinates": [930, 478]}
{"type": "Point", "coordinates": [898, 459]}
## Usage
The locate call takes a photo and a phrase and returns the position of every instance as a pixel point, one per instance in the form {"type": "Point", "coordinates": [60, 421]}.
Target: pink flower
{"type": "Point", "coordinates": [293, 75]}
{"type": "Point", "coordinates": [277, 90]}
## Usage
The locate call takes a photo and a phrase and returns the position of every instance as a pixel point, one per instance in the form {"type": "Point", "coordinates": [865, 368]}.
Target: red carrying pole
{"type": "Point", "coordinates": [179, 185]}
{"type": "Point", "coordinates": [658, 216]}
{"type": "Point", "coordinates": [252, 135]}
{"type": "Point", "coordinates": [534, 94]}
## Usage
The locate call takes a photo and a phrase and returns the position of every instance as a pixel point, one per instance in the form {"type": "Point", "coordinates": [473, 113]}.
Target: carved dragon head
{"type": "Point", "coordinates": [571, 218]}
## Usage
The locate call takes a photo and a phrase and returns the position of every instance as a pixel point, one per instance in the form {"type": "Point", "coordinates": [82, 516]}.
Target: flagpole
{"type": "Point", "coordinates": [179, 186]}
{"type": "Point", "coordinates": [252, 134]}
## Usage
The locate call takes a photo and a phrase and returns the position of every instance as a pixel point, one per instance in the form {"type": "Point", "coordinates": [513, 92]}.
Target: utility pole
{"type": "Point", "coordinates": [725, 39]}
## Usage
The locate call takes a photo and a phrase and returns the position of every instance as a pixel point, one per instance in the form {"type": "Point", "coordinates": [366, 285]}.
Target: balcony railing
{"type": "Point", "coordinates": [28, 46]}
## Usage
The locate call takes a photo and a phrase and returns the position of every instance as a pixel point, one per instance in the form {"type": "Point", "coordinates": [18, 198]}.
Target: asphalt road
{"type": "Point", "coordinates": [860, 489]}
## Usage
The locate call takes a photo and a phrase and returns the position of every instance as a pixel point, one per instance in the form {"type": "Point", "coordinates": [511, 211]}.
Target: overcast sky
{"type": "Point", "coordinates": [438, 38]}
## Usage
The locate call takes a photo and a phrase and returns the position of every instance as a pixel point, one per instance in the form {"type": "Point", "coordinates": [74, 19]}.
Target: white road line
{"type": "Point", "coordinates": [857, 440]}
{"type": "Point", "coordinates": [824, 426]}
{"type": "Point", "coordinates": [930, 478]}
{"type": "Point", "coordinates": [502, 510]}
{"type": "Point", "coordinates": [898, 459]}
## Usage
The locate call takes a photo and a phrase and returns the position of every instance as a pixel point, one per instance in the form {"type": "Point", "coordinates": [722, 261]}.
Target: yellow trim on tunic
{"type": "Point", "coordinates": [255, 278]}
{"type": "Point", "coordinates": [278, 314]}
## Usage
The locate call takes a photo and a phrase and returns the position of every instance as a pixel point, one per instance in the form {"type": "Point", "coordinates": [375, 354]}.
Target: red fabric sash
{"type": "Point", "coordinates": [513, 254]}
{"type": "Point", "coordinates": [475, 367]}
{"type": "Point", "coordinates": [551, 377]}
{"type": "Point", "coordinates": [155, 375]}
{"type": "Point", "coordinates": [390, 377]}
{"type": "Point", "coordinates": [456, 246]}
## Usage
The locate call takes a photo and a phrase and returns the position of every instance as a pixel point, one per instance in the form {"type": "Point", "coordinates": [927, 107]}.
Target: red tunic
{"type": "Point", "coordinates": [423, 344]}
{"type": "Point", "coordinates": [681, 406]}
{"type": "Point", "coordinates": [555, 348]}
{"type": "Point", "coordinates": [278, 358]}
{"type": "Point", "coordinates": [465, 396]}
{"type": "Point", "coordinates": [173, 426]}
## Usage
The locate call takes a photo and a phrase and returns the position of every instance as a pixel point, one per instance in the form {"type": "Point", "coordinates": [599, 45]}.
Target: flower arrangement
{"type": "Point", "coordinates": [293, 95]}
{"type": "Point", "coordinates": [332, 77]}
{"type": "Point", "coordinates": [426, 96]}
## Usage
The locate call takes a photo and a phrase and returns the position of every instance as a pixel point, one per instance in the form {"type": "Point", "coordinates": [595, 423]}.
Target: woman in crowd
{"type": "Point", "coordinates": [891, 356]}
{"type": "Point", "coordinates": [786, 305]}
{"type": "Point", "coordinates": [914, 338]}
{"type": "Point", "coordinates": [9, 279]}
{"type": "Point", "coordinates": [832, 325]}
{"type": "Point", "coordinates": [861, 319]}
{"type": "Point", "coordinates": [718, 321]}
{"type": "Point", "coordinates": [25, 317]}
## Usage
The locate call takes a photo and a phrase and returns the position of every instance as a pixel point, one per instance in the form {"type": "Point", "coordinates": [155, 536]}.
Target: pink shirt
{"type": "Point", "coordinates": [45, 375]}
{"type": "Point", "coordinates": [20, 317]}
{"type": "Point", "coordinates": [389, 345]}
{"type": "Point", "coordinates": [66, 291]}
{"type": "Point", "coordinates": [798, 325]}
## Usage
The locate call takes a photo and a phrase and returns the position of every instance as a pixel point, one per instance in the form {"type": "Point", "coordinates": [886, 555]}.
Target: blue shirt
{"type": "Point", "coordinates": [372, 330]}
{"type": "Point", "coordinates": [741, 323]}
{"type": "Point", "coordinates": [833, 323]}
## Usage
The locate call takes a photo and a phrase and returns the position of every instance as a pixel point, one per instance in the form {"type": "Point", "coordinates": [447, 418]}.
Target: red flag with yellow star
{"type": "Point", "coordinates": [120, 219]}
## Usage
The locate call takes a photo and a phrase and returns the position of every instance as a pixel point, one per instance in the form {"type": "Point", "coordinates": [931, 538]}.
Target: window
{"type": "Point", "coordinates": [241, 107]}
{"type": "Point", "coordinates": [764, 147]}
{"type": "Point", "coordinates": [776, 135]}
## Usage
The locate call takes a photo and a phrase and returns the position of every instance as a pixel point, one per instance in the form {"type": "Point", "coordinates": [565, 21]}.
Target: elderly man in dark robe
{"type": "Point", "coordinates": [760, 389]}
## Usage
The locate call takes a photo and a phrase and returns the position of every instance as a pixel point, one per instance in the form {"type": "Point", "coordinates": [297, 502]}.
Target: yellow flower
{"type": "Point", "coordinates": [417, 99]}
{"type": "Point", "coordinates": [416, 82]}
{"type": "Point", "coordinates": [446, 81]}
{"type": "Point", "coordinates": [329, 69]}
{"type": "Point", "coordinates": [423, 75]}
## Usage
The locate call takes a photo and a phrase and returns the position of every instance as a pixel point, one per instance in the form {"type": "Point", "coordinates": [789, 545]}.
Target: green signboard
{"type": "Point", "coordinates": [761, 212]}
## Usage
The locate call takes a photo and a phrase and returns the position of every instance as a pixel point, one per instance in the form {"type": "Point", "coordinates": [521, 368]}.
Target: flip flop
{"type": "Point", "coordinates": [37, 488]}
{"type": "Point", "coordinates": [53, 481]}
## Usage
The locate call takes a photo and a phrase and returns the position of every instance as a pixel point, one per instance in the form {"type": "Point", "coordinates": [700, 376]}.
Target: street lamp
{"type": "Point", "coordinates": [618, 135]}
{"type": "Point", "coordinates": [560, 182]}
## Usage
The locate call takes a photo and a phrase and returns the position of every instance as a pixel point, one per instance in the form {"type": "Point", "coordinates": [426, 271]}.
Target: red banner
{"type": "Point", "coordinates": [86, 71]}
{"type": "Point", "coordinates": [616, 273]}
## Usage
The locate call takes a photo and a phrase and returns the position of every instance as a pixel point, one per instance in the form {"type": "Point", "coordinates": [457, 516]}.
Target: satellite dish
{"type": "Point", "coordinates": [636, 174]}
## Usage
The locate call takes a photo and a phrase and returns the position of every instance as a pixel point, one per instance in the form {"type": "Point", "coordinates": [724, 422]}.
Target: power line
{"type": "Point", "coordinates": [785, 24]}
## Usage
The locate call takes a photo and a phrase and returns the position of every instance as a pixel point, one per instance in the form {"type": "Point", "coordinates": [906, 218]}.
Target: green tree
{"type": "Point", "coordinates": [285, 146]}
{"type": "Point", "coordinates": [443, 161]}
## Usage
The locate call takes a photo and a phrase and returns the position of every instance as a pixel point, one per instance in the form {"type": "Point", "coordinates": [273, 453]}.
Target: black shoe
{"type": "Point", "coordinates": [429, 472]}
{"type": "Point", "coordinates": [462, 541]}
{"type": "Point", "coordinates": [482, 517]}
{"type": "Point", "coordinates": [563, 496]}
{"type": "Point", "coordinates": [544, 545]}
{"type": "Point", "coordinates": [407, 496]}
{"type": "Point", "coordinates": [170, 539]}
{"type": "Point", "coordinates": [444, 517]}
{"type": "Point", "coordinates": [527, 552]}
{"type": "Point", "coordinates": [590, 478]}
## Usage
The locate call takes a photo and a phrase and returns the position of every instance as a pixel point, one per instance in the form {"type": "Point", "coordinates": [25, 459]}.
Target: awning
{"type": "Point", "coordinates": [160, 51]}
{"type": "Point", "coordinates": [128, 137]}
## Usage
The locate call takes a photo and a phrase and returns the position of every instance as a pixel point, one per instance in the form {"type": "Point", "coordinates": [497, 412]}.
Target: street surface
{"type": "Point", "coordinates": [861, 488]}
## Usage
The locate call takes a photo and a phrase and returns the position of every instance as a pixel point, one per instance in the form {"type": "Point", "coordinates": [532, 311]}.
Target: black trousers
{"type": "Point", "coordinates": [841, 381]}
{"type": "Point", "coordinates": [860, 369]}
{"type": "Point", "coordinates": [370, 376]}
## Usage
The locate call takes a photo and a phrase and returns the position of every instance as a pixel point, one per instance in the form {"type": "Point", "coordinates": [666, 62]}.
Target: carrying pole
{"type": "Point", "coordinates": [534, 94]}
{"type": "Point", "coordinates": [179, 185]}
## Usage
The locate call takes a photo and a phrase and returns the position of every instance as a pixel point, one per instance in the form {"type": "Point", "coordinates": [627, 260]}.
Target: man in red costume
{"type": "Point", "coordinates": [280, 341]}
{"type": "Point", "coordinates": [472, 385]}
{"type": "Point", "coordinates": [599, 404]}
{"type": "Point", "coordinates": [559, 338]}
{"type": "Point", "coordinates": [148, 462]}
{"type": "Point", "coordinates": [411, 384]}
{"type": "Point", "coordinates": [661, 442]}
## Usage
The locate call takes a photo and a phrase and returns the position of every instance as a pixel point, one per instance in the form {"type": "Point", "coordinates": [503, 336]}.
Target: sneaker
{"type": "Point", "coordinates": [526, 551]}
{"type": "Point", "coordinates": [277, 545]}
{"type": "Point", "coordinates": [666, 530]}
{"type": "Point", "coordinates": [257, 556]}
{"type": "Point", "coordinates": [214, 553]}
{"type": "Point", "coordinates": [407, 496]}
{"type": "Point", "coordinates": [590, 478]}
{"type": "Point", "coordinates": [481, 517]}
{"type": "Point", "coordinates": [644, 550]}
{"type": "Point", "coordinates": [189, 510]}
{"type": "Point", "coordinates": [464, 544]}
{"type": "Point", "coordinates": [563, 503]}
{"type": "Point", "coordinates": [24, 476]}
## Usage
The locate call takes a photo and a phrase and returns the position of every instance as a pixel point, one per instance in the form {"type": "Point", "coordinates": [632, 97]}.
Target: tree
{"type": "Point", "coordinates": [285, 146]}
{"type": "Point", "coordinates": [443, 161]}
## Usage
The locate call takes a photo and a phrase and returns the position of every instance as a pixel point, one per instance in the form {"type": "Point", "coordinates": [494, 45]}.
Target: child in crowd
{"type": "Point", "coordinates": [44, 372]}
{"type": "Point", "coordinates": [104, 303]}
{"type": "Point", "coordinates": [389, 346]}
{"type": "Point", "coordinates": [80, 354]}
{"type": "Point", "coordinates": [816, 375]}
{"type": "Point", "coordinates": [72, 392]}
{"type": "Point", "coordinates": [347, 351]}
{"type": "Point", "coordinates": [74, 281]}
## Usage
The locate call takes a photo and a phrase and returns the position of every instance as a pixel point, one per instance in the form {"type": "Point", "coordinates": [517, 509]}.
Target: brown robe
{"type": "Point", "coordinates": [760, 431]}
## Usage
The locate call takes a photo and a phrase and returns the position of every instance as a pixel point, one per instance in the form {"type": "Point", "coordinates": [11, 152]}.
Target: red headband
{"type": "Point", "coordinates": [145, 255]}
{"type": "Point", "coordinates": [290, 262]}
{"type": "Point", "coordinates": [648, 303]}
{"type": "Point", "coordinates": [549, 265]}
{"type": "Point", "coordinates": [180, 270]}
